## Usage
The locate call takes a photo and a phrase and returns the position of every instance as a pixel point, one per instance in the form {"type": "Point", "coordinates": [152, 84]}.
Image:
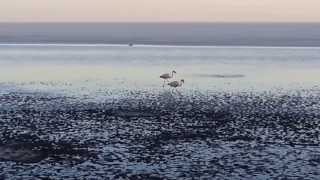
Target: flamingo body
{"type": "Point", "coordinates": [166, 77]}
{"type": "Point", "coordinates": [176, 84]}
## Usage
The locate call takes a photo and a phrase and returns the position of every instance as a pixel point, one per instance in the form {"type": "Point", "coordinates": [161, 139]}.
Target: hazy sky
{"type": "Point", "coordinates": [160, 10]}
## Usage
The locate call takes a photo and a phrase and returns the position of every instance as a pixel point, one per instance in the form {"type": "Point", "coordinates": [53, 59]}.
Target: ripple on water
{"type": "Point", "coordinates": [161, 135]}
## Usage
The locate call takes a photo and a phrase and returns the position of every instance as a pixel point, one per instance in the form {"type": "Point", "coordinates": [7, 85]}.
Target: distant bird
{"type": "Point", "coordinates": [176, 84]}
{"type": "Point", "coordinates": [167, 76]}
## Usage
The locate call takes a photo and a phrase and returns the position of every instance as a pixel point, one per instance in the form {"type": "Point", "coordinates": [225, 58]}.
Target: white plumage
{"type": "Point", "coordinates": [167, 76]}
{"type": "Point", "coordinates": [176, 84]}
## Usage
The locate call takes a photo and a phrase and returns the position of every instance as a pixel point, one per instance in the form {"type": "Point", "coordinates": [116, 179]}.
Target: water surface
{"type": "Point", "coordinates": [95, 68]}
{"type": "Point", "coordinates": [210, 34]}
{"type": "Point", "coordinates": [99, 111]}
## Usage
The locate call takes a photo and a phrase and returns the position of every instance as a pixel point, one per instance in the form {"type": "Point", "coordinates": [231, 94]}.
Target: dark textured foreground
{"type": "Point", "coordinates": [160, 136]}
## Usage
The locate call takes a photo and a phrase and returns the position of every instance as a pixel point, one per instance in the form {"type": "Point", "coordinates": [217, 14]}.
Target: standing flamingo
{"type": "Point", "coordinates": [176, 84]}
{"type": "Point", "coordinates": [167, 76]}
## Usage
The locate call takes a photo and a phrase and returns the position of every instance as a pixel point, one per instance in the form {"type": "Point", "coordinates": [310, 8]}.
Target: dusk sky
{"type": "Point", "coordinates": [159, 10]}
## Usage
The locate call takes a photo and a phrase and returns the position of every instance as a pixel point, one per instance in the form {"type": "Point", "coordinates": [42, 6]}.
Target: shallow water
{"type": "Point", "coordinates": [97, 68]}
{"type": "Point", "coordinates": [100, 112]}
{"type": "Point", "coordinates": [162, 136]}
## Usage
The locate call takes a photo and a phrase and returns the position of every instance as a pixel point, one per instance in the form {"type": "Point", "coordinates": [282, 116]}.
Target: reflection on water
{"type": "Point", "coordinates": [135, 129]}
{"type": "Point", "coordinates": [139, 67]}
{"type": "Point", "coordinates": [146, 135]}
{"type": "Point", "coordinates": [220, 75]}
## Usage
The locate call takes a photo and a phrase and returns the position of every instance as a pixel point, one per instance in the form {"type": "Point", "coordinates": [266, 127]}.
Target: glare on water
{"type": "Point", "coordinates": [114, 67]}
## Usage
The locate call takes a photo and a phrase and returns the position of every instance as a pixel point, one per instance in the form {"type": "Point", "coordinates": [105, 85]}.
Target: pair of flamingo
{"type": "Point", "coordinates": [173, 84]}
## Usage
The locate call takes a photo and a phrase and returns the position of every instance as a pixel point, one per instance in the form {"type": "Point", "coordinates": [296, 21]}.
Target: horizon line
{"type": "Point", "coordinates": [153, 45]}
{"type": "Point", "coordinates": [161, 22]}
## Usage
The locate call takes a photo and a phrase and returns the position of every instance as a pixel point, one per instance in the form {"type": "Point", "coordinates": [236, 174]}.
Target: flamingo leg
{"type": "Point", "coordinates": [164, 82]}
{"type": "Point", "coordinates": [178, 92]}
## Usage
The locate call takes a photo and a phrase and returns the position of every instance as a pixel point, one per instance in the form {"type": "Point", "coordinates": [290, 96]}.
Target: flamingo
{"type": "Point", "coordinates": [167, 76]}
{"type": "Point", "coordinates": [176, 84]}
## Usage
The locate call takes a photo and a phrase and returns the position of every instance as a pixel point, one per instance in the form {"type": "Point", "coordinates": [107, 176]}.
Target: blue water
{"type": "Point", "coordinates": [96, 68]}
{"type": "Point", "coordinates": [144, 130]}
{"type": "Point", "coordinates": [227, 34]}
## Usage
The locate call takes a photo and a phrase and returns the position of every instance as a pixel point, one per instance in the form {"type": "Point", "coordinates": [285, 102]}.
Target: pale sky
{"type": "Point", "coordinates": [159, 10]}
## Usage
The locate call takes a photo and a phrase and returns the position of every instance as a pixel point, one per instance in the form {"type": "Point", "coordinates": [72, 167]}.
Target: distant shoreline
{"type": "Point", "coordinates": [153, 45]}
